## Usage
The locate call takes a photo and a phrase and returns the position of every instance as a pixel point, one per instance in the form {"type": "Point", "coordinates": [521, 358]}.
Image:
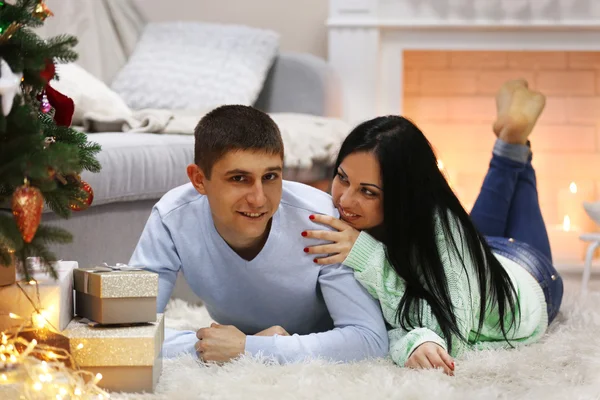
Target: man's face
{"type": "Point", "coordinates": [244, 191]}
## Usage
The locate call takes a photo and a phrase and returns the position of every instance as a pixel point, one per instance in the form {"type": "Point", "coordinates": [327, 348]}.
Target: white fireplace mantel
{"type": "Point", "coordinates": [367, 38]}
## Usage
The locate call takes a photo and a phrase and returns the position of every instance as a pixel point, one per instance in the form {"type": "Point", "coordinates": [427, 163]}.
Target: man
{"type": "Point", "coordinates": [235, 233]}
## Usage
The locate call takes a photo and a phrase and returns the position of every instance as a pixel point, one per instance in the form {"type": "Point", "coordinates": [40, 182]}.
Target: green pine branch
{"type": "Point", "coordinates": [24, 152]}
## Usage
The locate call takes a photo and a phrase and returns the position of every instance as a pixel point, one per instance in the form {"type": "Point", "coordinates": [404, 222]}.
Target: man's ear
{"type": "Point", "coordinates": [197, 177]}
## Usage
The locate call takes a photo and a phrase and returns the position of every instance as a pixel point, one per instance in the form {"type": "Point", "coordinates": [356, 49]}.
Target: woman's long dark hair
{"type": "Point", "coordinates": [417, 200]}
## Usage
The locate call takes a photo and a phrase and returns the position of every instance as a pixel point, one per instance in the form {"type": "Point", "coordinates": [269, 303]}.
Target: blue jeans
{"type": "Point", "coordinates": [508, 213]}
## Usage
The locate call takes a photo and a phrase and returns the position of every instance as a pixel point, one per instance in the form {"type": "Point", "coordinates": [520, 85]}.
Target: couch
{"type": "Point", "coordinates": [138, 169]}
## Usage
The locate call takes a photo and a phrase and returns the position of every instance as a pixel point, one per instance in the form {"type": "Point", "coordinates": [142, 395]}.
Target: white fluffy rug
{"type": "Point", "coordinates": [564, 365]}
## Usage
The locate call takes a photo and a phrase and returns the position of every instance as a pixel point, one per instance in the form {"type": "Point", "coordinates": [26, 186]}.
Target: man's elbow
{"type": "Point", "coordinates": [382, 346]}
{"type": "Point", "coordinates": [378, 343]}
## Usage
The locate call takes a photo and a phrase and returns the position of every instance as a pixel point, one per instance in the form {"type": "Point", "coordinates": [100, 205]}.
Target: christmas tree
{"type": "Point", "coordinates": [41, 156]}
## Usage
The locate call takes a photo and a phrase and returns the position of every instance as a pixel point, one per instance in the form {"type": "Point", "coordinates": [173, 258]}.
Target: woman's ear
{"type": "Point", "coordinates": [197, 177]}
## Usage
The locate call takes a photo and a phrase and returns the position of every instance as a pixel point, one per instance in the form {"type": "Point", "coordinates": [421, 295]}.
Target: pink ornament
{"type": "Point", "coordinates": [45, 107]}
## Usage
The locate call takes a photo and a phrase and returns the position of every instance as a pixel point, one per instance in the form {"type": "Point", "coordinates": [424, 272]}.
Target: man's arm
{"type": "Point", "coordinates": [156, 252]}
{"type": "Point", "coordinates": [359, 329]}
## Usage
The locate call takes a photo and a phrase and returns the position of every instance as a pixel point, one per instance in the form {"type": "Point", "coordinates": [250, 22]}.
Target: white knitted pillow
{"type": "Point", "coordinates": [195, 66]}
{"type": "Point", "coordinates": [92, 98]}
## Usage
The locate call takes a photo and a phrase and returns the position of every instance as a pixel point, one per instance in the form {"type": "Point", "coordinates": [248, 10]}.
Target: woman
{"type": "Point", "coordinates": [446, 281]}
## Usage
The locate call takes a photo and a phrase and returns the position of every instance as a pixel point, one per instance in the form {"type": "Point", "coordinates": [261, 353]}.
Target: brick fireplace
{"type": "Point", "coordinates": [442, 70]}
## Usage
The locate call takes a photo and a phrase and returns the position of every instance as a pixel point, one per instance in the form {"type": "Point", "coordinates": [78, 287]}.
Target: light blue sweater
{"type": "Point", "coordinates": [329, 314]}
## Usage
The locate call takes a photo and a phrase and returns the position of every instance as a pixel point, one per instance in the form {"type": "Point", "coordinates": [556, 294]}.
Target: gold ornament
{"type": "Point", "coordinates": [9, 32]}
{"type": "Point", "coordinates": [27, 206]}
{"type": "Point", "coordinates": [42, 11]}
{"type": "Point", "coordinates": [84, 199]}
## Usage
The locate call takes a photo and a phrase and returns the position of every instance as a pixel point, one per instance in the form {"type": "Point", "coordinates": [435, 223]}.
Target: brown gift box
{"type": "Point", "coordinates": [8, 274]}
{"type": "Point", "coordinates": [115, 295]}
{"type": "Point", "coordinates": [128, 357]}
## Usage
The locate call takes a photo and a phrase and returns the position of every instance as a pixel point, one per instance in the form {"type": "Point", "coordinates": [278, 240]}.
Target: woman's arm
{"type": "Point", "coordinates": [376, 274]}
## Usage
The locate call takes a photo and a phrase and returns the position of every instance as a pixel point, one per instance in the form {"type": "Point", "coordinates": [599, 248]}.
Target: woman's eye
{"type": "Point", "coordinates": [368, 192]}
{"type": "Point", "coordinates": [341, 177]}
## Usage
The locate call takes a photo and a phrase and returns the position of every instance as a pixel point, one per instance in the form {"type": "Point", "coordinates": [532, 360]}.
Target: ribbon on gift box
{"type": "Point", "coordinates": [105, 268]}
{"type": "Point", "coordinates": [117, 267]}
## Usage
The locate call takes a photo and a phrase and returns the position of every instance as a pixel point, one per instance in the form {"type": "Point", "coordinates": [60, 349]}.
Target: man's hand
{"type": "Point", "coordinates": [272, 331]}
{"type": "Point", "coordinates": [220, 343]}
{"type": "Point", "coordinates": [431, 355]}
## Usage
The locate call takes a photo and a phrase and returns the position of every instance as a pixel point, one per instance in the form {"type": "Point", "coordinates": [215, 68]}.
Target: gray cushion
{"type": "Point", "coordinates": [140, 166]}
{"type": "Point", "coordinates": [137, 166]}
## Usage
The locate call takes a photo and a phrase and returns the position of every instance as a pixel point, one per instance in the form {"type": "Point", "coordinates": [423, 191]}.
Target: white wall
{"type": "Point", "coordinates": [301, 24]}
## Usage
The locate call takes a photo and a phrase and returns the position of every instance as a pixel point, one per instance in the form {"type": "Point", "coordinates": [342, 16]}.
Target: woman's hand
{"type": "Point", "coordinates": [431, 355]}
{"type": "Point", "coordinates": [343, 239]}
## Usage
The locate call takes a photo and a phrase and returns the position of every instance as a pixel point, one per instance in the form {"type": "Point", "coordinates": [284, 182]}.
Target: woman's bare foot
{"type": "Point", "coordinates": [518, 110]}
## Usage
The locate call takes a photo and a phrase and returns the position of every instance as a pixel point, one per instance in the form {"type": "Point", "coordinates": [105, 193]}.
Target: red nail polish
{"type": "Point", "coordinates": [315, 260]}
{"type": "Point", "coordinates": [312, 217]}
{"type": "Point", "coordinates": [306, 249]}
{"type": "Point", "coordinates": [452, 365]}
{"type": "Point", "coordinates": [304, 233]}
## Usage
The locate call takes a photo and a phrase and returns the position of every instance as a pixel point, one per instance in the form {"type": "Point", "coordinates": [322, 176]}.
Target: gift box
{"type": "Point", "coordinates": [8, 274]}
{"type": "Point", "coordinates": [128, 356]}
{"type": "Point", "coordinates": [115, 295]}
{"type": "Point", "coordinates": [44, 302]}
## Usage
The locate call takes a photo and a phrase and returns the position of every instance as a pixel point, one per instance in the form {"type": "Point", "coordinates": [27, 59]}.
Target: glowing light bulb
{"type": "Point", "coordinates": [566, 223]}
{"type": "Point", "coordinates": [77, 392]}
{"type": "Point", "coordinates": [37, 386]}
{"type": "Point", "coordinates": [4, 377]}
{"type": "Point", "coordinates": [80, 346]}
{"type": "Point", "coordinates": [573, 187]}
{"type": "Point", "coordinates": [38, 320]}
{"type": "Point", "coordinates": [13, 316]}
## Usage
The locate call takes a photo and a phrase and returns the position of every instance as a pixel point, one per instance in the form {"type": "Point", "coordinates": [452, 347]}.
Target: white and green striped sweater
{"type": "Point", "coordinates": [373, 271]}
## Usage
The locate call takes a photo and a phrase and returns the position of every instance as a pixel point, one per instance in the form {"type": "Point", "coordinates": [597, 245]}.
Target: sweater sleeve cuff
{"type": "Point", "coordinates": [361, 252]}
{"type": "Point", "coordinates": [401, 352]}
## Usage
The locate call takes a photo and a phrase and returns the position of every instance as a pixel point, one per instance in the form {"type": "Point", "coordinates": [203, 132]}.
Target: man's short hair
{"type": "Point", "coordinates": [234, 127]}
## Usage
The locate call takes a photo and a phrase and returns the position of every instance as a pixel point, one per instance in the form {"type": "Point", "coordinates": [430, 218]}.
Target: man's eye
{"type": "Point", "coordinates": [238, 178]}
{"type": "Point", "coordinates": [270, 177]}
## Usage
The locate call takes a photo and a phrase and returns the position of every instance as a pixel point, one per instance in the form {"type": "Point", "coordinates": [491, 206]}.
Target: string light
{"type": "Point", "coordinates": [41, 371]}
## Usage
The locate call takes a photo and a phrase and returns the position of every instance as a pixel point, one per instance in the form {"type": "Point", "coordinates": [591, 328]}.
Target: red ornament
{"type": "Point", "coordinates": [48, 73]}
{"type": "Point", "coordinates": [63, 106]}
{"type": "Point", "coordinates": [27, 206]}
{"type": "Point", "coordinates": [84, 200]}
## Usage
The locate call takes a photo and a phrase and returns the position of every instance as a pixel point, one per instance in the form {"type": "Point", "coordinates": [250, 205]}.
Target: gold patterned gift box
{"type": "Point", "coordinates": [115, 295]}
{"type": "Point", "coordinates": [128, 356]}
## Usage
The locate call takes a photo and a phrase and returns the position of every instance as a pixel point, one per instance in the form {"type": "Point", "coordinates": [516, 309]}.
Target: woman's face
{"type": "Point", "coordinates": [357, 191]}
